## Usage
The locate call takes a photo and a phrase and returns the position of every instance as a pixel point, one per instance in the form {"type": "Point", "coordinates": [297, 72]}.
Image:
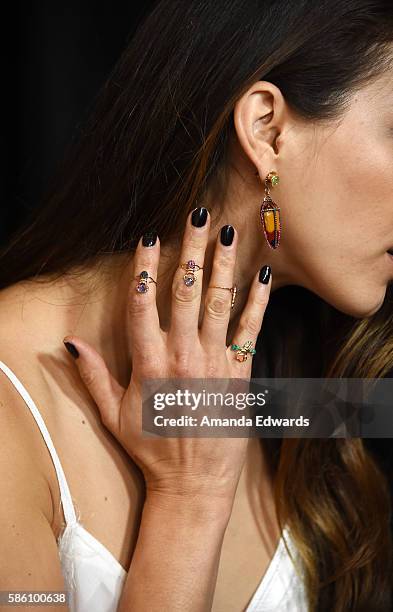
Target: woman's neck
{"type": "Point", "coordinates": [92, 303]}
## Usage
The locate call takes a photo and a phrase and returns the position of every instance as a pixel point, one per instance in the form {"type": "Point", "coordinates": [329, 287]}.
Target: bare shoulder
{"type": "Point", "coordinates": [29, 559]}
{"type": "Point", "coordinates": [22, 449]}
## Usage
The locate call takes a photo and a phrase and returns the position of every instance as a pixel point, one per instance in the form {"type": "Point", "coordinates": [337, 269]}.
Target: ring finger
{"type": "Point", "coordinates": [218, 296]}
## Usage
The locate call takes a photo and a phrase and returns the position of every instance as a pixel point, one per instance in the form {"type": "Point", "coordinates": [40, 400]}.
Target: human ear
{"type": "Point", "coordinates": [259, 117]}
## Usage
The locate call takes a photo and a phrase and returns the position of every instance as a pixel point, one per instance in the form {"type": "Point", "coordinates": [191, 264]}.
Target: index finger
{"type": "Point", "coordinates": [142, 305]}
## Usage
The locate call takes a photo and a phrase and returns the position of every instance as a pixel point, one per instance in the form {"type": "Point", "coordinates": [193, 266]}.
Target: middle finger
{"type": "Point", "coordinates": [187, 281]}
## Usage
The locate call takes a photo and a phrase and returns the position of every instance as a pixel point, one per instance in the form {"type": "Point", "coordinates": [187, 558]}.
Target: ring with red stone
{"type": "Point", "coordinates": [242, 352]}
{"type": "Point", "coordinates": [190, 267]}
{"type": "Point", "coordinates": [143, 280]}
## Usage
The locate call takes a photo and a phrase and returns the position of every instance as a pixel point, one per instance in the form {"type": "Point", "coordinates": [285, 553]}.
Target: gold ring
{"type": "Point", "coordinates": [191, 267]}
{"type": "Point", "coordinates": [233, 291]}
{"type": "Point", "coordinates": [242, 352]}
{"type": "Point", "coordinates": [143, 278]}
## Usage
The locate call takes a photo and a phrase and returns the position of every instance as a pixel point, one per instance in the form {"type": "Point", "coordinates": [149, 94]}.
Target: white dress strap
{"type": "Point", "coordinates": [66, 500]}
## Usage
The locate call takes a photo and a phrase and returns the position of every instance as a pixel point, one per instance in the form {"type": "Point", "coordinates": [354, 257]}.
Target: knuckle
{"type": "Point", "coordinates": [223, 261]}
{"type": "Point", "coordinates": [193, 243]}
{"type": "Point", "coordinates": [88, 376]}
{"type": "Point", "coordinates": [261, 299]}
{"type": "Point", "coordinates": [251, 323]}
{"type": "Point", "coordinates": [146, 264]}
{"type": "Point", "coordinates": [149, 363]}
{"type": "Point", "coordinates": [181, 293]}
{"type": "Point", "coordinates": [107, 419]}
{"type": "Point", "coordinates": [181, 365]}
{"type": "Point", "coordinates": [138, 304]}
{"type": "Point", "coordinates": [147, 360]}
{"type": "Point", "coordinates": [217, 306]}
{"type": "Point", "coordinates": [214, 368]}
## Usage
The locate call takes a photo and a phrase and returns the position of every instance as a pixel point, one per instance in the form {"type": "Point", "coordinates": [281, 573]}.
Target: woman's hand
{"type": "Point", "coordinates": [202, 468]}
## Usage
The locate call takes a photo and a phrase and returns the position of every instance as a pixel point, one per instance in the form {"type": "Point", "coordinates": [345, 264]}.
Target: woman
{"type": "Point", "coordinates": [212, 107]}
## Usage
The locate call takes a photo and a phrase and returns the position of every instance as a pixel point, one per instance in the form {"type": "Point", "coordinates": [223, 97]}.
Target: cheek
{"type": "Point", "coordinates": [340, 221]}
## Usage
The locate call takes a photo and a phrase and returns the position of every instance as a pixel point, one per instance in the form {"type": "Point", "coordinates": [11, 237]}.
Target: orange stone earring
{"type": "Point", "coordinates": [270, 213]}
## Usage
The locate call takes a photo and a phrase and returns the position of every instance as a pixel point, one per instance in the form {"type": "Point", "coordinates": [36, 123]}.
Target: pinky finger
{"type": "Point", "coordinates": [106, 392]}
{"type": "Point", "coordinates": [251, 319]}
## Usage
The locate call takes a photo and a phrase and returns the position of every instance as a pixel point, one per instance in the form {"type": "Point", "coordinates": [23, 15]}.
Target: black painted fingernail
{"type": "Point", "coordinates": [71, 348]}
{"type": "Point", "coordinates": [264, 274]}
{"type": "Point", "coordinates": [227, 234]}
{"type": "Point", "coordinates": [199, 217]}
{"type": "Point", "coordinates": [149, 239]}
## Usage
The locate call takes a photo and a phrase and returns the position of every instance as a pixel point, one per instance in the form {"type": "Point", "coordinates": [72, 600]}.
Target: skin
{"type": "Point", "coordinates": [322, 179]}
{"type": "Point", "coordinates": [336, 200]}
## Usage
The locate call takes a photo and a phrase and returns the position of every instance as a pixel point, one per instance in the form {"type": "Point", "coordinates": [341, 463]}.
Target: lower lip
{"type": "Point", "coordinates": [390, 256]}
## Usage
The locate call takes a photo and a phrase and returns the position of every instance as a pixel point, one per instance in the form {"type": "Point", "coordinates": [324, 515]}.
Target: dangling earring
{"type": "Point", "coordinates": [270, 213]}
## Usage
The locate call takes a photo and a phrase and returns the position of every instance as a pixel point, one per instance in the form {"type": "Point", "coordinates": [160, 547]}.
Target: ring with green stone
{"type": "Point", "coordinates": [242, 352]}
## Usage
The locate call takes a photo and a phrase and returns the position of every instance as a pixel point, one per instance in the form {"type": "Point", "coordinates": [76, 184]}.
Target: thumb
{"type": "Point", "coordinates": [102, 386]}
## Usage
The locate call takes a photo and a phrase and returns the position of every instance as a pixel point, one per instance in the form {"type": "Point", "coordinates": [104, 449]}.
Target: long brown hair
{"type": "Point", "coordinates": [155, 142]}
{"type": "Point", "coordinates": [331, 492]}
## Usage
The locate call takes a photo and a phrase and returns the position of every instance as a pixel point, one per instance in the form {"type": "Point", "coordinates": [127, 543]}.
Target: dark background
{"type": "Point", "coordinates": [57, 57]}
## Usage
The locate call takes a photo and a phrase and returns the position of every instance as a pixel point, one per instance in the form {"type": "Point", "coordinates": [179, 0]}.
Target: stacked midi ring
{"type": "Point", "coordinates": [190, 267]}
{"type": "Point", "coordinates": [242, 352]}
{"type": "Point", "coordinates": [143, 279]}
{"type": "Point", "coordinates": [233, 291]}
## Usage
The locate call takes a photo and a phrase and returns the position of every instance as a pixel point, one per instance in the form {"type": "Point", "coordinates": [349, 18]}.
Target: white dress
{"type": "Point", "coordinates": [95, 578]}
